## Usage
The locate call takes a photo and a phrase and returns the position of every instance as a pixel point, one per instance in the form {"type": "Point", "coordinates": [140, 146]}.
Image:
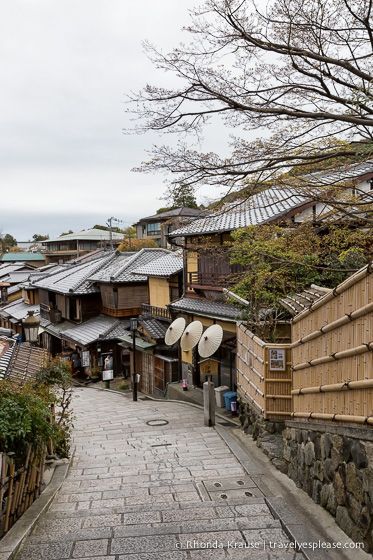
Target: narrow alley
{"type": "Point", "coordinates": [149, 482]}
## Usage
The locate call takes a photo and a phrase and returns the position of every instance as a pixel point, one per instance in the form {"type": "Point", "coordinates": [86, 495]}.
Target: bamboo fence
{"type": "Point", "coordinates": [260, 382]}
{"type": "Point", "coordinates": [20, 486]}
{"type": "Point", "coordinates": [332, 354]}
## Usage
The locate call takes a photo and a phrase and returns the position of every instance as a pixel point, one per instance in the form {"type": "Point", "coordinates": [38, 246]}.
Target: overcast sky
{"type": "Point", "coordinates": [66, 66]}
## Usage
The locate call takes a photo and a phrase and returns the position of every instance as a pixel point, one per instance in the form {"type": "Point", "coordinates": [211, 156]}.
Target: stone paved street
{"type": "Point", "coordinates": [145, 491]}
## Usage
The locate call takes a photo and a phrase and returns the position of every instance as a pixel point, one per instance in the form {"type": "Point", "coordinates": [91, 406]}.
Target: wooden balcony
{"type": "Point", "coordinates": [155, 312]}
{"type": "Point", "coordinates": [214, 281]}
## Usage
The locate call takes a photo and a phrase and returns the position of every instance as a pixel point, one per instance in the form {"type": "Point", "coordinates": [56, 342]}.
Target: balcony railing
{"type": "Point", "coordinates": [156, 312]}
{"type": "Point", "coordinates": [212, 280]}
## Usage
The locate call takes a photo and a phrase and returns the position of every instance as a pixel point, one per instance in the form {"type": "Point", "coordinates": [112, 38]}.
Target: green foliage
{"type": "Point", "coordinates": [55, 382]}
{"type": "Point", "coordinates": [107, 228]}
{"type": "Point", "coordinates": [56, 373]}
{"type": "Point", "coordinates": [278, 261]}
{"type": "Point", "coordinates": [24, 418]}
{"type": "Point", "coordinates": [40, 237]}
{"type": "Point", "coordinates": [6, 242]}
{"type": "Point", "coordinates": [180, 195]}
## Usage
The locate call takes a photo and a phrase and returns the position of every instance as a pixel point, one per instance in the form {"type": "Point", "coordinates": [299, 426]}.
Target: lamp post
{"type": "Point", "coordinates": [133, 328]}
{"type": "Point", "coordinates": [31, 327]}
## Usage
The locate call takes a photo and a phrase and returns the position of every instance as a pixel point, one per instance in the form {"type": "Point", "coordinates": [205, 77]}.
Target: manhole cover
{"type": "Point", "coordinates": [157, 422]}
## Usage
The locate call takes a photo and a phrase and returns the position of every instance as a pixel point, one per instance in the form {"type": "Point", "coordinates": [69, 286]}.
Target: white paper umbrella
{"type": "Point", "coordinates": [174, 331]}
{"type": "Point", "coordinates": [210, 341]}
{"type": "Point", "coordinates": [191, 335]}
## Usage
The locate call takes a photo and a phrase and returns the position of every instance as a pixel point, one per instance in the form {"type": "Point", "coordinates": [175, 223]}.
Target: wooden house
{"type": "Point", "coordinates": [75, 245]}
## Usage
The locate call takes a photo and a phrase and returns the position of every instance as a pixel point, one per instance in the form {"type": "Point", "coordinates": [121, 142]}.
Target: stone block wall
{"type": "Point", "coordinates": [267, 433]}
{"type": "Point", "coordinates": [334, 465]}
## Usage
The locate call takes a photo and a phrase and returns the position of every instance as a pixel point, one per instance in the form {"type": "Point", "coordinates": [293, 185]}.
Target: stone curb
{"type": "Point", "coordinates": [293, 511]}
{"type": "Point", "coordinates": [14, 538]}
{"type": "Point", "coordinates": [194, 405]}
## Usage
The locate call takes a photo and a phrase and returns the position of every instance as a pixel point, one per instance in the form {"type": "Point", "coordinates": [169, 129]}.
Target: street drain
{"type": "Point", "coordinates": [157, 422]}
{"type": "Point", "coordinates": [161, 444]}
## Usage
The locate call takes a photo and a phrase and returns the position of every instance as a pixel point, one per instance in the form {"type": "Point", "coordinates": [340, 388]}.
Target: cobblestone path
{"type": "Point", "coordinates": [143, 489]}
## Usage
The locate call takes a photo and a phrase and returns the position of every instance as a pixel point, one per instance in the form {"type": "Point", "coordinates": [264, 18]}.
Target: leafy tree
{"type": "Point", "coordinates": [66, 232]}
{"type": "Point", "coordinates": [129, 244]}
{"type": "Point", "coordinates": [294, 80]}
{"type": "Point", "coordinates": [278, 261]}
{"type": "Point", "coordinates": [180, 195]}
{"type": "Point", "coordinates": [6, 242]}
{"type": "Point", "coordinates": [106, 228]}
{"type": "Point", "coordinates": [40, 237]}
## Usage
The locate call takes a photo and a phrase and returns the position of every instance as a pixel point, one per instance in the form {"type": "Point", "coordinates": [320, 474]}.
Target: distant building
{"type": "Point", "coordinates": [158, 226]}
{"type": "Point", "coordinates": [74, 245]}
{"type": "Point", "coordinates": [34, 259]}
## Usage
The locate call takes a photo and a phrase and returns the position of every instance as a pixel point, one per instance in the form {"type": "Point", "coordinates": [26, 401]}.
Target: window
{"type": "Point", "coordinates": [154, 229]}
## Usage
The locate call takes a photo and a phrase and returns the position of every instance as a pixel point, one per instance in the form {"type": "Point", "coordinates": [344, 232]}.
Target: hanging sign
{"type": "Point", "coordinates": [86, 358]}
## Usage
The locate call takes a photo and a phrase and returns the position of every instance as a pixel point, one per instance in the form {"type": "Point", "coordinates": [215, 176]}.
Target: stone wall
{"type": "Point", "coordinates": [334, 465]}
{"type": "Point", "coordinates": [267, 433]}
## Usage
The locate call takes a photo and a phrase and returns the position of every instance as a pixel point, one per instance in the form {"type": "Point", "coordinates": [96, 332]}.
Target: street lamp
{"type": "Point", "coordinates": [31, 327]}
{"type": "Point", "coordinates": [133, 328]}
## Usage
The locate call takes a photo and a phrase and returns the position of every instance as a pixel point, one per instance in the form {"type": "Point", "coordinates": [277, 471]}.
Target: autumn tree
{"type": "Point", "coordinates": [293, 79]}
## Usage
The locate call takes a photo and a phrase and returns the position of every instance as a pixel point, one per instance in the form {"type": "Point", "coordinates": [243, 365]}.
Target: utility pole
{"type": "Point", "coordinates": [109, 223]}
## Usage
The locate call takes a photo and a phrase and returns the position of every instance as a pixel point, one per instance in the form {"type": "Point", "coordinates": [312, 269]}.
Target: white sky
{"type": "Point", "coordinates": [65, 67]}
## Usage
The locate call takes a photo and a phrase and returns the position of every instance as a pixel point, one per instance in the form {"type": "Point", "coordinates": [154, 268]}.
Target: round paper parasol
{"type": "Point", "coordinates": [174, 331]}
{"type": "Point", "coordinates": [210, 341]}
{"type": "Point", "coordinates": [191, 335]}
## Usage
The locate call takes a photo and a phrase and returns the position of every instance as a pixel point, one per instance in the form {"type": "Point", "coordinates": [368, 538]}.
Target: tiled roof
{"type": "Point", "coordinates": [91, 256]}
{"type": "Point", "coordinates": [90, 330]}
{"type": "Point", "coordinates": [343, 173]}
{"type": "Point", "coordinates": [22, 256]}
{"type": "Point", "coordinates": [205, 307]}
{"type": "Point", "coordinates": [56, 329]}
{"type": "Point", "coordinates": [258, 209]}
{"type": "Point", "coordinates": [92, 234]}
{"type": "Point", "coordinates": [299, 302]}
{"type": "Point", "coordinates": [166, 265]}
{"type": "Point", "coordinates": [118, 331]}
{"type": "Point", "coordinates": [7, 348]}
{"type": "Point", "coordinates": [121, 268]}
{"type": "Point", "coordinates": [156, 329]}
{"type": "Point", "coordinates": [174, 212]}
{"type": "Point", "coordinates": [18, 310]}
{"type": "Point", "coordinates": [26, 361]}
{"type": "Point", "coordinates": [74, 279]}
{"type": "Point", "coordinates": [6, 269]}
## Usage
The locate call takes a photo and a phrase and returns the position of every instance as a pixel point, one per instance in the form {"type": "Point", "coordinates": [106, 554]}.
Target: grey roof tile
{"type": "Point", "coordinates": [92, 234]}
{"type": "Point", "coordinates": [7, 349]}
{"type": "Point", "coordinates": [166, 265]}
{"type": "Point", "coordinates": [75, 278]}
{"type": "Point", "coordinates": [157, 329]}
{"type": "Point", "coordinates": [18, 310]}
{"type": "Point", "coordinates": [205, 307]}
{"type": "Point", "coordinates": [91, 330]}
{"type": "Point", "coordinates": [260, 208]}
{"type": "Point", "coordinates": [295, 303]}
{"type": "Point", "coordinates": [122, 267]}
